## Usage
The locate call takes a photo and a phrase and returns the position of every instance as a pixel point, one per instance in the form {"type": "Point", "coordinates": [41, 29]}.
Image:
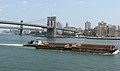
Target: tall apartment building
{"type": "Point", "coordinates": [101, 29]}
{"type": "Point", "coordinates": [104, 30]}
{"type": "Point", "coordinates": [87, 25]}
{"type": "Point", "coordinates": [88, 31]}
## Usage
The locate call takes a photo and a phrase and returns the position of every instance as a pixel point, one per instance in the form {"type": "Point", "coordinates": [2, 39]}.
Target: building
{"type": "Point", "coordinates": [59, 25]}
{"type": "Point", "coordinates": [70, 28]}
{"type": "Point", "coordinates": [119, 31]}
{"type": "Point", "coordinates": [87, 25]}
{"type": "Point", "coordinates": [104, 30]}
{"type": "Point", "coordinates": [119, 28]}
{"type": "Point", "coordinates": [102, 23]}
{"type": "Point", "coordinates": [88, 31]}
{"type": "Point", "coordinates": [101, 29]}
{"type": "Point", "coordinates": [67, 27]}
{"type": "Point", "coordinates": [66, 24]}
{"type": "Point", "coordinates": [78, 30]}
{"type": "Point", "coordinates": [111, 30]}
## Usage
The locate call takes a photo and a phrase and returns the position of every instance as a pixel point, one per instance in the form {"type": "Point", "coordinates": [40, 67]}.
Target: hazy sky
{"type": "Point", "coordinates": [75, 12]}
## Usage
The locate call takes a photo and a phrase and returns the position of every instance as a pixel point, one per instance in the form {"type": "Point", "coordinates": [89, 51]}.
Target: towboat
{"type": "Point", "coordinates": [89, 48]}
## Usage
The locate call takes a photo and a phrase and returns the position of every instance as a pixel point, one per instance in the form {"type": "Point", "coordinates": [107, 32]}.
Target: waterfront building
{"type": "Point", "coordinates": [96, 30]}
{"type": "Point", "coordinates": [104, 30]}
{"type": "Point", "coordinates": [88, 31]}
{"type": "Point", "coordinates": [111, 30]}
{"type": "Point", "coordinates": [117, 34]}
{"type": "Point", "coordinates": [101, 29]}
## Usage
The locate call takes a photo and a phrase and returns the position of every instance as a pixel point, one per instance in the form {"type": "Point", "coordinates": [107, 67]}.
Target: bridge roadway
{"type": "Point", "coordinates": [25, 24]}
{"type": "Point", "coordinates": [28, 24]}
{"type": "Point", "coordinates": [64, 29]}
{"type": "Point", "coordinates": [2, 27]}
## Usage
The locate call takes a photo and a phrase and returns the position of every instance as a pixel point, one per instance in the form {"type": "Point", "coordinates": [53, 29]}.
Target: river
{"type": "Point", "coordinates": [15, 57]}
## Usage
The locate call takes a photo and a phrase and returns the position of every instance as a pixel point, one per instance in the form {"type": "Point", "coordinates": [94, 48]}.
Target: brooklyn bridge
{"type": "Point", "coordinates": [51, 26]}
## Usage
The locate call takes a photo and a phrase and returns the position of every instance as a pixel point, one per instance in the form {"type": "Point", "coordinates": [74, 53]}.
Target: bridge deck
{"type": "Point", "coordinates": [29, 24]}
{"type": "Point", "coordinates": [19, 23]}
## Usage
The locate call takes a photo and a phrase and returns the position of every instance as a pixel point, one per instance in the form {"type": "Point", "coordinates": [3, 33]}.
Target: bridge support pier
{"type": "Point", "coordinates": [51, 22]}
{"type": "Point", "coordinates": [21, 28]}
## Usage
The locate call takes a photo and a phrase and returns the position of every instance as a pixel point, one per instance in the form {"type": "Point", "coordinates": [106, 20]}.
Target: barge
{"type": "Point", "coordinates": [89, 48]}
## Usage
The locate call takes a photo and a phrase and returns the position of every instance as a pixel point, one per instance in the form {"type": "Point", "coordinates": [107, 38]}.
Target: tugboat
{"type": "Point", "coordinates": [33, 43]}
{"type": "Point", "coordinates": [89, 48]}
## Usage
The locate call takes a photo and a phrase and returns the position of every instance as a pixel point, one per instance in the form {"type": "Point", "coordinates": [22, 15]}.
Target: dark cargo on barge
{"type": "Point", "coordinates": [90, 48]}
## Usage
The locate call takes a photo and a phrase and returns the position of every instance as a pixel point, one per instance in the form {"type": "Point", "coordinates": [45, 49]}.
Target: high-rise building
{"type": "Point", "coordinates": [88, 30]}
{"type": "Point", "coordinates": [87, 25]}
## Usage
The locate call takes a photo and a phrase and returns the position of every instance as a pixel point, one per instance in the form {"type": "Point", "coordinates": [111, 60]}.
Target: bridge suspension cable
{"type": "Point", "coordinates": [37, 20]}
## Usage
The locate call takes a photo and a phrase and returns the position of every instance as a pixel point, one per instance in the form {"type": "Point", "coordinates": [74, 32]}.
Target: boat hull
{"type": "Point", "coordinates": [89, 48]}
{"type": "Point", "coordinates": [81, 50]}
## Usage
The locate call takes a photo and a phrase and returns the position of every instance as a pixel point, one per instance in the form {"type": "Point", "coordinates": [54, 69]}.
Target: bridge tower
{"type": "Point", "coordinates": [51, 22]}
{"type": "Point", "coordinates": [21, 28]}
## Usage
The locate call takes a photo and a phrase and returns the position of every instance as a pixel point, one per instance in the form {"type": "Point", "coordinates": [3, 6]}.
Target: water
{"type": "Point", "coordinates": [14, 57]}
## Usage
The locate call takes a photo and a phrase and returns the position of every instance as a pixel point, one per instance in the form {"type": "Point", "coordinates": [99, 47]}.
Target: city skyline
{"type": "Point", "coordinates": [76, 13]}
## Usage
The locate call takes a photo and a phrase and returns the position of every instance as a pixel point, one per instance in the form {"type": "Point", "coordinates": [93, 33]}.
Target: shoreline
{"type": "Point", "coordinates": [99, 38]}
{"type": "Point", "coordinates": [104, 38]}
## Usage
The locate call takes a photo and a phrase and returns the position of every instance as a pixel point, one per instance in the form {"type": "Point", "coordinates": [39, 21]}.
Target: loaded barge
{"type": "Point", "coordinates": [89, 48]}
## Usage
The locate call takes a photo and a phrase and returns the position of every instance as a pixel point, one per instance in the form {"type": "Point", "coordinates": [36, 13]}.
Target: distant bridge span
{"type": "Point", "coordinates": [65, 29]}
{"type": "Point", "coordinates": [51, 26]}
{"type": "Point", "coordinates": [25, 24]}
{"type": "Point", "coordinates": [2, 27]}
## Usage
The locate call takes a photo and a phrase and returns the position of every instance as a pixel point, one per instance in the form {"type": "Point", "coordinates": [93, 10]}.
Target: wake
{"type": "Point", "coordinates": [2, 44]}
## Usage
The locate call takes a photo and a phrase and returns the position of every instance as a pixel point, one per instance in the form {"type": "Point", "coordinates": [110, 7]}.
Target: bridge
{"type": "Point", "coordinates": [51, 26]}
{"type": "Point", "coordinates": [2, 27]}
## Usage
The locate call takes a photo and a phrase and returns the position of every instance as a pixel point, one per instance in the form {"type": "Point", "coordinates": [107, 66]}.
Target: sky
{"type": "Point", "coordinates": [74, 12]}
